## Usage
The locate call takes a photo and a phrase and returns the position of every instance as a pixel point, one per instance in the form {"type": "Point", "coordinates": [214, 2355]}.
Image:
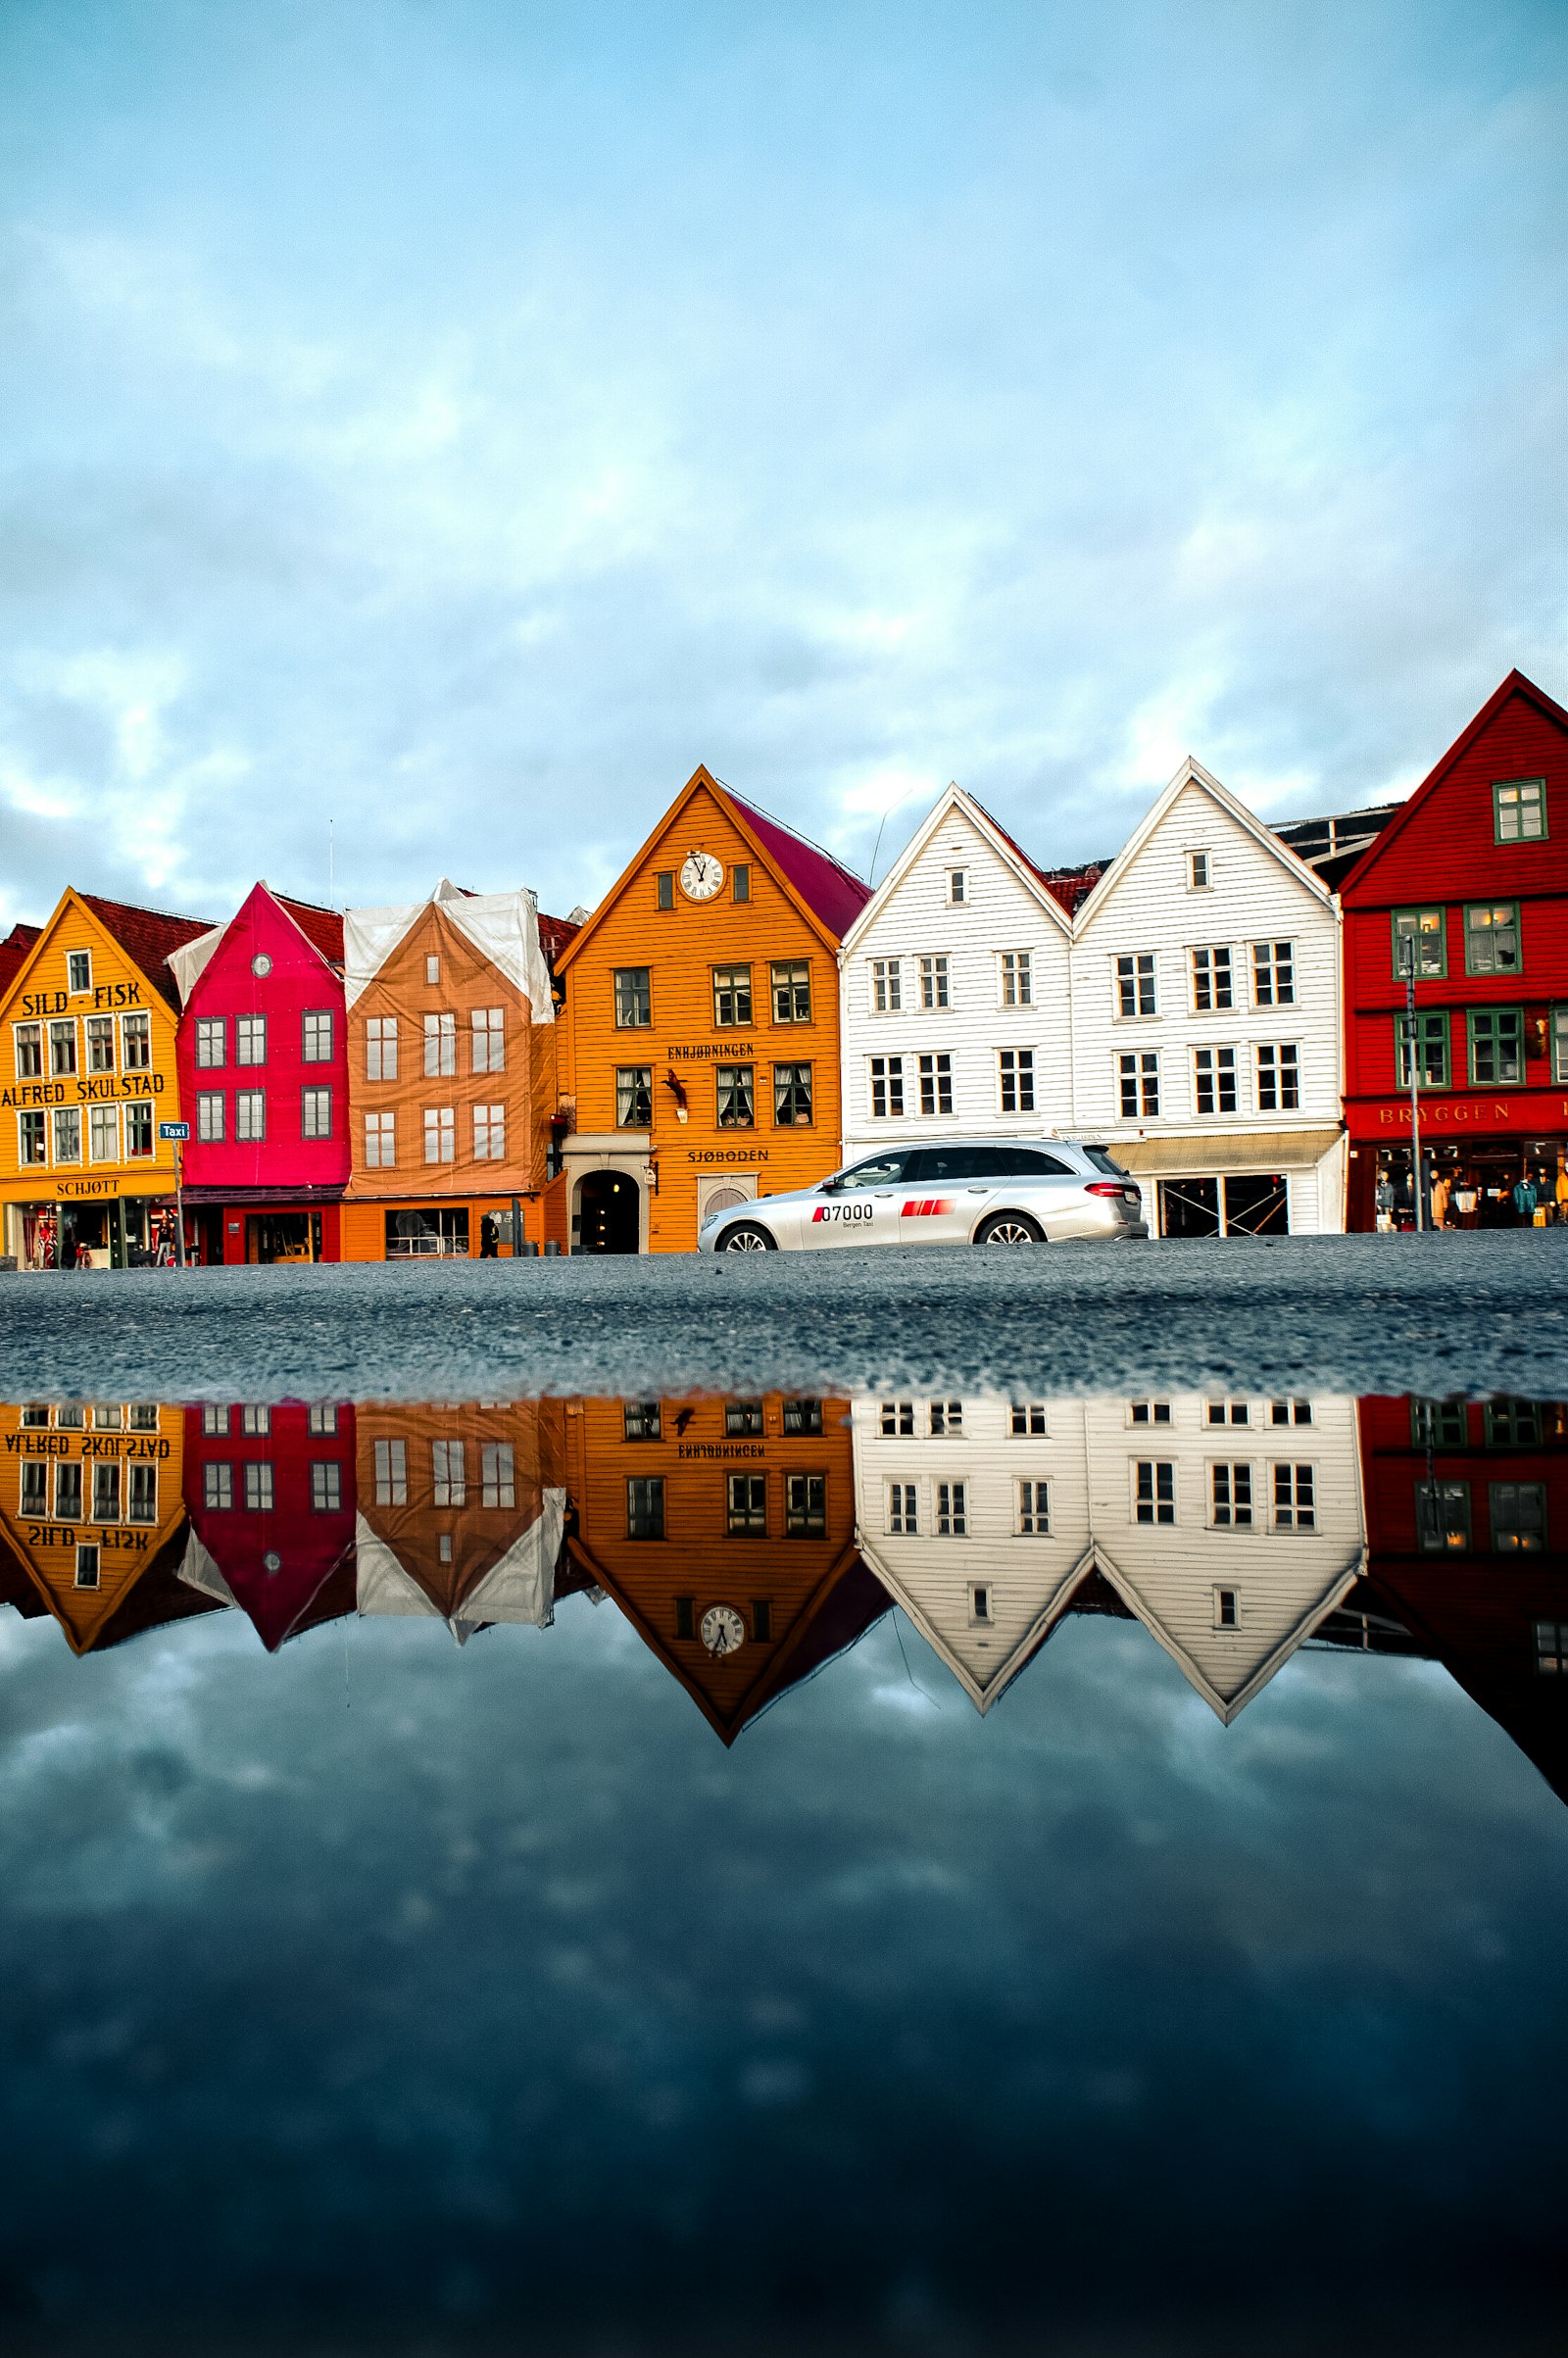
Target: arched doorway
{"type": "Point", "coordinates": [610, 1209]}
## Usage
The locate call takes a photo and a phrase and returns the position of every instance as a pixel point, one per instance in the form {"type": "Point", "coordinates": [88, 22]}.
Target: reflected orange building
{"type": "Point", "coordinates": [461, 1510]}
{"type": "Point", "coordinates": [724, 1530]}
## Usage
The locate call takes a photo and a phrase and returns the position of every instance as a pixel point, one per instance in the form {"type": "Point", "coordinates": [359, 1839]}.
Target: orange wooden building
{"type": "Point", "coordinates": [461, 1510]}
{"type": "Point", "coordinates": [700, 1047]}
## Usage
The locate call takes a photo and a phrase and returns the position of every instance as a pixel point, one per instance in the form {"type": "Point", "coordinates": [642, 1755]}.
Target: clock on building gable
{"type": "Point", "coordinates": [723, 1632]}
{"type": "Point", "coordinates": [701, 875]}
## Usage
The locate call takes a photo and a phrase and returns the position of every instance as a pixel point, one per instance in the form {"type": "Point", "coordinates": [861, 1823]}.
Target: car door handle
{"type": "Point", "coordinates": [881, 1191]}
{"type": "Point", "coordinates": [978, 1191]}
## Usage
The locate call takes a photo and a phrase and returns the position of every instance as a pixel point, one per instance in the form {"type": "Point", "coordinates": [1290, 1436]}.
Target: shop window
{"type": "Point", "coordinates": [440, 1046]}
{"type": "Point", "coordinates": [732, 998]}
{"type": "Point", "coordinates": [1228, 1607]}
{"type": "Point", "coordinates": [1425, 929]}
{"type": "Point", "coordinates": [1138, 1076]}
{"type": "Point", "coordinates": [382, 1047]}
{"type": "Point", "coordinates": [68, 1134]}
{"type": "Point", "coordinates": [31, 1142]}
{"type": "Point", "coordinates": [1214, 1080]}
{"type": "Point", "coordinates": [740, 881]}
{"type": "Point", "coordinates": [498, 1481]}
{"type": "Point", "coordinates": [1274, 975]}
{"type": "Point", "coordinates": [934, 983]}
{"type": "Point", "coordinates": [78, 970]}
{"type": "Point", "coordinates": [1016, 1076]}
{"type": "Point", "coordinates": [947, 1420]}
{"type": "Point", "coordinates": [645, 1515]}
{"type": "Point", "coordinates": [792, 992]}
{"type": "Point", "coordinates": [139, 1133]}
{"type": "Point", "coordinates": [489, 1133]}
{"type": "Point", "coordinates": [315, 1045]}
{"type": "Point", "coordinates": [440, 1133]}
{"type": "Point", "coordinates": [68, 1492]}
{"type": "Point", "coordinates": [1034, 1510]}
{"type": "Point", "coordinates": [665, 888]}
{"type": "Point", "coordinates": [1496, 1045]}
{"type": "Point", "coordinates": [136, 1042]}
{"type": "Point", "coordinates": [896, 1418]}
{"type": "Point", "coordinates": [904, 1510]}
{"type": "Point", "coordinates": [250, 1116]}
{"type": "Point", "coordinates": [1018, 978]}
{"type": "Point", "coordinates": [391, 1473]}
{"type": "Point", "coordinates": [634, 1097]}
{"type": "Point", "coordinates": [887, 1088]}
{"type": "Point", "coordinates": [1026, 1419]}
{"type": "Point", "coordinates": [316, 1114]}
{"type": "Point", "coordinates": [887, 986]}
{"type": "Point", "coordinates": [1199, 878]}
{"type": "Point", "coordinates": [1211, 980]}
{"type": "Point", "coordinates": [1492, 938]}
{"type": "Point", "coordinates": [209, 1116]}
{"type": "Point", "coordinates": [735, 1095]}
{"type": "Point", "coordinates": [1511, 1424]}
{"type": "Point", "coordinates": [1519, 810]}
{"type": "Point", "coordinates": [100, 1044]}
{"type": "Point", "coordinates": [748, 1507]}
{"type": "Point", "coordinates": [381, 1141]}
{"type": "Point", "coordinates": [1135, 984]}
{"type": "Point", "coordinates": [1432, 1047]}
{"type": "Point", "coordinates": [27, 1039]}
{"type": "Point", "coordinates": [449, 1473]}
{"type": "Point", "coordinates": [1552, 1648]}
{"type": "Point", "coordinates": [1154, 1490]}
{"type": "Point", "coordinates": [1279, 1078]}
{"type": "Point", "coordinates": [103, 1133]}
{"type": "Point", "coordinates": [641, 1420]}
{"type": "Point", "coordinates": [33, 1501]}
{"type": "Point", "coordinates": [743, 1419]}
{"type": "Point", "coordinates": [250, 1039]}
{"type": "Point", "coordinates": [634, 998]}
{"type": "Point", "coordinates": [1230, 1490]}
{"type": "Point", "coordinates": [792, 1095]}
{"type": "Point", "coordinates": [1295, 1498]}
{"type": "Point", "coordinates": [803, 1417]}
{"type": "Point", "coordinates": [435, 1232]}
{"type": "Point", "coordinates": [63, 1048]}
{"type": "Point", "coordinates": [141, 1503]}
{"type": "Point", "coordinates": [957, 888]}
{"type": "Point", "coordinates": [214, 1417]}
{"type": "Point", "coordinates": [1518, 1512]}
{"type": "Point", "coordinates": [936, 1084]}
{"type": "Point", "coordinates": [89, 1565]}
{"type": "Point", "coordinates": [218, 1485]}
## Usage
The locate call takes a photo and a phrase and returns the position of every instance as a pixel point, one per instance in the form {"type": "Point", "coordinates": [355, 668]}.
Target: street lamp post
{"type": "Point", "coordinates": [1408, 961]}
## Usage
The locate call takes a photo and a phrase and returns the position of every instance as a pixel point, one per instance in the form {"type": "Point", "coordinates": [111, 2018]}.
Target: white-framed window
{"type": "Point", "coordinates": [100, 1043]}
{"type": "Point", "coordinates": [936, 1084]}
{"type": "Point", "coordinates": [392, 1473]}
{"type": "Point", "coordinates": [259, 1484]}
{"type": "Point", "coordinates": [1149, 1413]}
{"type": "Point", "coordinates": [31, 1139]}
{"type": "Point", "coordinates": [78, 970]}
{"type": "Point", "coordinates": [1295, 1498]}
{"type": "Point", "coordinates": [382, 1047]}
{"type": "Point", "coordinates": [1227, 1606]}
{"type": "Point", "coordinates": [1018, 978]}
{"type": "Point", "coordinates": [141, 1500]}
{"type": "Point", "coordinates": [1154, 1490]}
{"type": "Point", "coordinates": [1229, 1412]}
{"type": "Point", "coordinates": [1200, 873]}
{"type": "Point", "coordinates": [1026, 1420]}
{"type": "Point", "coordinates": [448, 1472]}
{"type": "Point", "coordinates": [957, 888]}
{"type": "Point", "coordinates": [250, 1113]}
{"type": "Point", "coordinates": [432, 969]}
{"type": "Point", "coordinates": [1230, 1497]}
{"type": "Point", "coordinates": [747, 1516]}
{"type": "Point", "coordinates": [440, 1045]}
{"type": "Point", "coordinates": [440, 1133]}
{"type": "Point", "coordinates": [1273, 974]}
{"type": "Point", "coordinates": [1290, 1412]}
{"type": "Point", "coordinates": [1211, 979]}
{"type": "Point", "coordinates": [946, 1418]}
{"type": "Point", "coordinates": [68, 1134]}
{"type": "Point", "coordinates": [1135, 984]}
{"type": "Point", "coordinates": [934, 983]}
{"type": "Point", "coordinates": [35, 1493]}
{"type": "Point", "coordinates": [887, 1088]}
{"type": "Point", "coordinates": [256, 1418]}
{"type": "Point", "coordinates": [315, 1112]}
{"type": "Point", "coordinates": [898, 1418]}
{"type": "Point", "coordinates": [381, 1141]}
{"type": "Point", "coordinates": [496, 1478]}
{"type": "Point", "coordinates": [89, 1565]}
{"type": "Point", "coordinates": [323, 1417]}
{"type": "Point", "coordinates": [1138, 1070]}
{"type": "Point", "coordinates": [68, 1490]}
{"type": "Point", "coordinates": [316, 1044]}
{"type": "Point", "coordinates": [1034, 1510]}
{"type": "Point", "coordinates": [62, 1047]}
{"type": "Point", "coordinates": [138, 1127]}
{"type": "Point", "coordinates": [1279, 1077]}
{"type": "Point", "coordinates": [953, 1510]}
{"type": "Point", "coordinates": [136, 1042]}
{"type": "Point", "coordinates": [211, 1041]}
{"type": "Point", "coordinates": [106, 1489]}
{"type": "Point", "coordinates": [142, 1416]}
{"type": "Point", "coordinates": [1015, 1079]}
{"type": "Point", "coordinates": [980, 1613]}
{"type": "Point", "coordinates": [326, 1486]}
{"type": "Point", "coordinates": [805, 1507]}
{"type": "Point", "coordinates": [490, 1134]}
{"type": "Point", "coordinates": [887, 986]}
{"type": "Point", "coordinates": [904, 1510]}
{"type": "Point", "coordinates": [489, 1026]}
{"type": "Point", "coordinates": [103, 1133]}
{"type": "Point", "coordinates": [1214, 1080]}
{"type": "Point", "coordinates": [250, 1039]}
{"type": "Point", "coordinates": [28, 1042]}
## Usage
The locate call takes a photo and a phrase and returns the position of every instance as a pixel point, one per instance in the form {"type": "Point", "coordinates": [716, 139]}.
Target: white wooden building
{"type": "Point", "coordinates": [1231, 1528]}
{"type": "Point", "coordinates": [1206, 1022]}
{"type": "Point", "coordinates": [954, 983]}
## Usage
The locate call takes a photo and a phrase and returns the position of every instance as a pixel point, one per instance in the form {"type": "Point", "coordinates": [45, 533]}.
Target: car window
{"type": "Point", "coordinates": [940, 1165]}
{"type": "Point", "coordinates": [1030, 1162]}
{"type": "Point", "coordinates": [883, 1170]}
{"type": "Point", "coordinates": [1104, 1162]}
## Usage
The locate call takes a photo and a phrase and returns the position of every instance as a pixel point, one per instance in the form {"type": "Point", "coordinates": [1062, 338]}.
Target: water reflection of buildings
{"type": "Point", "coordinates": [270, 1494]}
{"type": "Point", "coordinates": [462, 1511]}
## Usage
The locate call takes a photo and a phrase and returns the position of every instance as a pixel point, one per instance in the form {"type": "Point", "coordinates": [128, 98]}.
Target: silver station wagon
{"type": "Point", "coordinates": [980, 1192]}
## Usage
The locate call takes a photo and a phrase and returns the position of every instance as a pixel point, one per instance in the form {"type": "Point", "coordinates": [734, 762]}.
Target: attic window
{"type": "Point", "coordinates": [1227, 1609]}
{"type": "Point", "coordinates": [958, 887]}
{"type": "Point", "coordinates": [432, 969]}
{"type": "Point", "coordinates": [88, 1566]}
{"type": "Point", "coordinates": [78, 969]}
{"type": "Point", "coordinates": [979, 1602]}
{"type": "Point", "coordinates": [1198, 876]}
{"type": "Point", "coordinates": [666, 881]}
{"type": "Point", "coordinates": [446, 1547]}
{"type": "Point", "coordinates": [740, 881]}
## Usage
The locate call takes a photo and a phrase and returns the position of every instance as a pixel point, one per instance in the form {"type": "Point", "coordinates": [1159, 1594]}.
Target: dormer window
{"type": "Point", "coordinates": [1198, 876]}
{"type": "Point", "coordinates": [958, 887]}
{"type": "Point", "coordinates": [1519, 812]}
{"type": "Point", "coordinates": [78, 969]}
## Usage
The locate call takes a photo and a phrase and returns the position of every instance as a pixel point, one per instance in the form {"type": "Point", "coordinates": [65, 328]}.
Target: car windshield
{"type": "Point", "coordinates": [1103, 1162]}
{"type": "Point", "coordinates": [883, 1170]}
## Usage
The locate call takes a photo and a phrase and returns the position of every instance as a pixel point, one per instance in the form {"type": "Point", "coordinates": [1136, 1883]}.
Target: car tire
{"type": "Point", "coordinates": [1009, 1228]}
{"type": "Point", "coordinates": [746, 1236]}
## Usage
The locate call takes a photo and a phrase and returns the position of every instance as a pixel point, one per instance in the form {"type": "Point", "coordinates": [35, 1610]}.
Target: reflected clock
{"type": "Point", "coordinates": [723, 1631]}
{"type": "Point", "coordinates": [701, 875]}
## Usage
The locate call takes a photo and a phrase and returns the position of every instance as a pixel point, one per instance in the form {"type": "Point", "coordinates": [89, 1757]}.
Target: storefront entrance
{"type": "Point", "coordinates": [1250, 1204]}
{"type": "Point", "coordinates": [609, 1214]}
{"type": "Point", "coordinates": [284, 1236]}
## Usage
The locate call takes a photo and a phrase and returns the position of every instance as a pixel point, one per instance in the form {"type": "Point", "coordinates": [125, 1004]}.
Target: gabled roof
{"type": "Point", "coordinates": [554, 935]}
{"type": "Point", "coordinates": [13, 951]}
{"type": "Point", "coordinates": [1045, 887]}
{"type": "Point", "coordinates": [323, 929]}
{"type": "Point", "coordinates": [1050, 1601]}
{"type": "Point", "coordinates": [1193, 773]}
{"type": "Point", "coordinates": [148, 937]}
{"type": "Point", "coordinates": [1516, 684]}
{"type": "Point", "coordinates": [1336, 1583]}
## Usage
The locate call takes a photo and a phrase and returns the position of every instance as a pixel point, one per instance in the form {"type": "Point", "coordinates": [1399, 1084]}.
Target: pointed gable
{"type": "Point", "coordinates": [149, 937]}
{"type": "Point", "coordinates": [1191, 778]}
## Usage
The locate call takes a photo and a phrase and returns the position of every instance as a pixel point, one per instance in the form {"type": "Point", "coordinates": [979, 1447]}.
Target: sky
{"type": "Point", "coordinates": [427, 431]}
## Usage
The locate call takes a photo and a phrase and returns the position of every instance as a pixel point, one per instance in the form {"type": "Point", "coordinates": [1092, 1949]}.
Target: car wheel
{"type": "Point", "coordinates": [746, 1237]}
{"type": "Point", "coordinates": [1009, 1228]}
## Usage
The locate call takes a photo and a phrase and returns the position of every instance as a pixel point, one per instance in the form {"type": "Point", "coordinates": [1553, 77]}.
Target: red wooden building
{"type": "Point", "coordinates": [271, 1494]}
{"type": "Point", "coordinates": [1472, 873]}
{"type": "Point", "coordinates": [263, 1082]}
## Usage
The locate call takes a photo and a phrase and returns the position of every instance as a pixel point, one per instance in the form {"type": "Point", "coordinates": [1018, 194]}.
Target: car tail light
{"type": "Point", "coordinates": [1109, 1187]}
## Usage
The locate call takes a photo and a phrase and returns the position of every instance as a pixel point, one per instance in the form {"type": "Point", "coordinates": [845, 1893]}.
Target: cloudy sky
{"type": "Point", "coordinates": [455, 421]}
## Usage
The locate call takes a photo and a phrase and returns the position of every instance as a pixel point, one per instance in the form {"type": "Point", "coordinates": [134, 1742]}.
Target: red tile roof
{"type": "Point", "coordinates": [13, 951]}
{"type": "Point", "coordinates": [323, 928]}
{"type": "Point", "coordinates": [835, 895]}
{"type": "Point", "coordinates": [1066, 886]}
{"type": "Point", "coordinates": [147, 936]}
{"type": "Point", "coordinates": [554, 935]}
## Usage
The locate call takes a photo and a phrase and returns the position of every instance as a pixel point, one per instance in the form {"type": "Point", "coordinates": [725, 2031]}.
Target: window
{"type": "Point", "coordinates": [381, 1141]}
{"type": "Point", "coordinates": [1290, 1412]}
{"type": "Point", "coordinates": [683, 1617]}
{"type": "Point", "coordinates": [1231, 1498]}
{"type": "Point", "coordinates": [645, 1514]}
{"type": "Point", "coordinates": [440, 1133]}
{"type": "Point", "coordinates": [70, 1417]}
{"type": "Point", "coordinates": [250, 1039]}
{"type": "Point", "coordinates": [1274, 975]}
{"type": "Point", "coordinates": [1227, 1609]}
{"type": "Point", "coordinates": [209, 1116]}
{"type": "Point", "coordinates": [946, 1418]}
{"type": "Point", "coordinates": [256, 1419]}
{"type": "Point", "coordinates": [316, 1047]}
{"type": "Point", "coordinates": [1018, 978]}
{"type": "Point", "coordinates": [743, 1419]}
{"type": "Point", "coordinates": [887, 986]}
{"type": "Point", "coordinates": [1149, 1413]}
{"type": "Point", "coordinates": [382, 1047]}
{"type": "Point", "coordinates": [100, 1044]}
{"type": "Point", "coordinates": [432, 969]}
{"type": "Point", "coordinates": [488, 1036]}
{"type": "Point", "coordinates": [1214, 1080]}
{"type": "Point", "coordinates": [449, 1473]}
{"type": "Point", "coordinates": [326, 1486]}
{"type": "Point", "coordinates": [634, 998]}
{"type": "Point", "coordinates": [1154, 1490]}
{"type": "Point", "coordinates": [68, 1492]}
{"type": "Point", "coordinates": [1443, 1517]}
{"type": "Point", "coordinates": [1140, 1083]}
{"type": "Point", "coordinates": [1492, 937]}
{"type": "Point", "coordinates": [68, 1134]}
{"type": "Point", "coordinates": [106, 1489]}
{"type": "Point", "coordinates": [136, 1042]}
{"type": "Point", "coordinates": [1135, 983]}
{"type": "Point", "coordinates": [957, 888]}
{"type": "Point", "coordinates": [792, 1095]}
{"type": "Point", "coordinates": [634, 1097]}
{"type": "Point", "coordinates": [1229, 1412]}
{"type": "Point", "coordinates": [107, 1417]}
{"type": "Point", "coordinates": [903, 1511]}
{"type": "Point", "coordinates": [740, 881]}
{"type": "Point", "coordinates": [1294, 1502]}
{"type": "Point", "coordinates": [78, 969]}
{"type": "Point", "coordinates": [141, 1504]}
{"type": "Point", "coordinates": [139, 1132]}
{"type": "Point", "coordinates": [87, 1566]}
{"type": "Point", "coordinates": [324, 1417]}
{"type": "Point", "coordinates": [748, 1507]}
{"type": "Point", "coordinates": [1034, 1510]}
{"type": "Point", "coordinates": [250, 1113]}
{"type": "Point", "coordinates": [1560, 1044]}
{"type": "Point", "coordinates": [315, 1112]}
{"type": "Point", "coordinates": [1279, 1079]}
{"type": "Point", "coordinates": [498, 1482]}
{"type": "Point", "coordinates": [735, 1095]}
{"type": "Point", "coordinates": [28, 1041]}
{"type": "Point", "coordinates": [1027, 1419]}
{"type": "Point", "coordinates": [1496, 1045]}
{"type": "Point", "coordinates": [792, 992]}
{"type": "Point", "coordinates": [391, 1473]}
{"type": "Point", "coordinates": [1197, 875]}
{"type": "Point", "coordinates": [1518, 1518]}
{"type": "Point", "coordinates": [103, 1133]}
{"type": "Point", "coordinates": [258, 1486]}
{"type": "Point", "coordinates": [936, 1084]}
{"type": "Point", "coordinates": [489, 1134]}
{"type": "Point", "coordinates": [732, 998]}
{"type": "Point", "coordinates": [980, 1605]}
{"type": "Point", "coordinates": [1016, 1068]}
{"type": "Point", "coordinates": [1211, 980]}
{"type": "Point", "coordinates": [35, 1417]}
{"type": "Point", "coordinates": [1519, 810]}
{"type": "Point", "coordinates": [35, 1486]}
{"type": "Point", "coordinates": [898, 1417]}
{"type": "Point", "coordinates": [665, 888]}
{"type": "Point", "coordinates": [1425, 928]}
{"type": "Point", "coordinates": [640, 1420]}
{"type": "Point", "coordinates": [1432, 1047]}
{"type": "Point", "coordinates": [142, 1416]}
{"type": "Point", "coordinates": [214, 1418]}
{"type": "Point", "coordinates": [1438, 1425]}
{"type": "Point", "coordinates": [762, 1620]}
{"type": "Point", "coordinates": [31, 1144]}
{"type": "Point", "coordinates": [440, 1046]}
{"type": "Point", "coordinates": [1511, 1424]}
{"type": "Point", "coordinates": [934, 982]}
{"type": "Point", "coordinates": [63, 1048]}
{"type": "Point", "coordinates": [803, 1417]}
{"type": "Point", "coordinates": [887, 1088]}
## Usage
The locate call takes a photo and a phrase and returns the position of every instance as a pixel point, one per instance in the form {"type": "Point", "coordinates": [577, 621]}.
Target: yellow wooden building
{"type": "Point", "coordinates": [92, 1504]}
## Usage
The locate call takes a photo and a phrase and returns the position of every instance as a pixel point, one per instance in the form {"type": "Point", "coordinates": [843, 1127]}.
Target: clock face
{"type": "Point", "coordinates": [701, 875]}
{"type": "Point", "coordinates": [723, 1629]}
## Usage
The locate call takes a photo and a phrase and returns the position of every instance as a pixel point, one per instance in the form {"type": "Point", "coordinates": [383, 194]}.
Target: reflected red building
{"type": "Point", "coordinates": [271, 1496]}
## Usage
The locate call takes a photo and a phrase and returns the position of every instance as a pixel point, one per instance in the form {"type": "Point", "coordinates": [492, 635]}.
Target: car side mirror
{"type": "Point", "coordinates": [832, 1185]}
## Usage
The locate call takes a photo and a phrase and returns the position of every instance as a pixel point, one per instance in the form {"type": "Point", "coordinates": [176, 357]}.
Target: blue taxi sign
{"type": "Point", "coordinates": [173, 1129]}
